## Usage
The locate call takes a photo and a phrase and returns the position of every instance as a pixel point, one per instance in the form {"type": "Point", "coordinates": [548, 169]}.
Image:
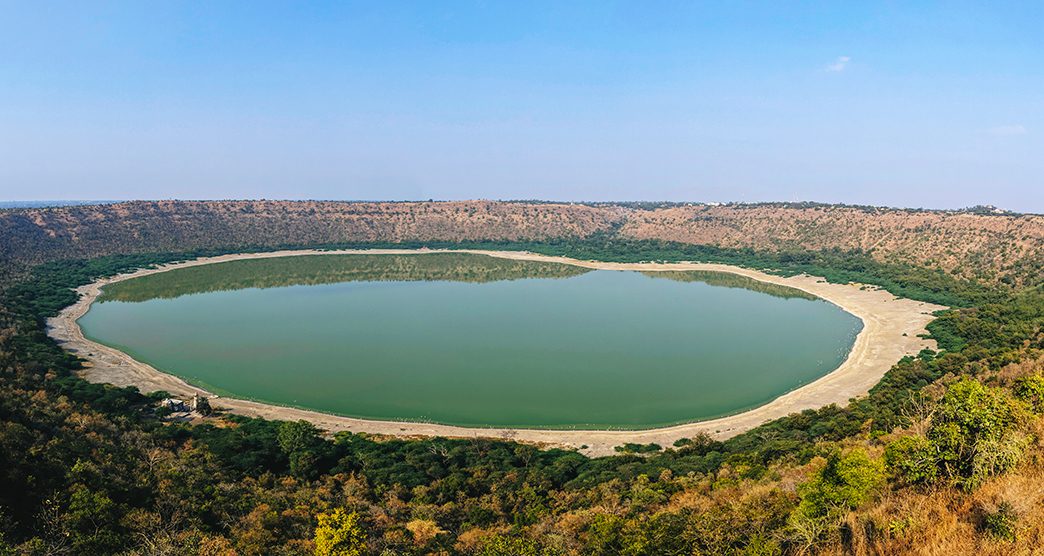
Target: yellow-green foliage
{"type": "Point", "coordinates": [974, 434]}
{"type": "Point", "coordinates": [338, 534]}
{"type": "Point", "coordinates": [845, 482]}
{"type": "Point", "coordinates": [1002, 523]}
{"type": "Point", "coordinates": [912, 460]}
{"type": "Point", "coordinates": [1030, 390]}
{"type": "Point", "coordinates": [505, 545]}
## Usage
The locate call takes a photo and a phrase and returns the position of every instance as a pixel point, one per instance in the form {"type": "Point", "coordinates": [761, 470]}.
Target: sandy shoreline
{"type": "Point", "coordinates": [891, 327]}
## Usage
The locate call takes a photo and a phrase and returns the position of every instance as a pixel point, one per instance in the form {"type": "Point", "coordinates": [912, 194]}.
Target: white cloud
{"type": "Point", "coordinates": [1008, 130]}
{"type": "Point", "coordinates": [840, 64]}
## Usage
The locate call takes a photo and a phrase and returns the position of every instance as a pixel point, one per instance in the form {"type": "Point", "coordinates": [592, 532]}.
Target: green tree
{"type": "Point", "coordinates": [605, 534]}
{"type": "Point", "coordinates": [845, 482]}
{"type": "Point", "coordinates": [296, 436]}
{"type": "Point", "coordinates": [92, 518]}
{"type": "Point", "coordinates": [507, 545]}
{"type": "Point", "coordinates": [338, 534]}
{"type": "Point", "coordinates": [976, 433]}
{"type": "Point", "coordinates": [1030, 389]}
{"type": "Point", "coordinates": [912, 460]}
{"type": "Point", "coordinates": [303, 445]}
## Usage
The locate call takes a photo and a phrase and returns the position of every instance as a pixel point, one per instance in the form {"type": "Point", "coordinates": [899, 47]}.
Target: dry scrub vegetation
{"type": "Point", "coordinates": [989, 247]}
{"type": "Point", "coordinates": [969, 245]}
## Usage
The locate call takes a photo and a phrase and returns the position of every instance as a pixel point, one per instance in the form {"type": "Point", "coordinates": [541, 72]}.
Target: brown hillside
{"type": "Point", "coordinates": [989, 247]}
{"type": "Point", "coordinates": [970, 245]}
{"type": "Point", "coordinates": [38, 235]}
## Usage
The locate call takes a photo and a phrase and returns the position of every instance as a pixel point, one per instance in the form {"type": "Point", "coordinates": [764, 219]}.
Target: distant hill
{"type": "Point", "coordinates": [52, 203]}
{"type": "Point", "coordinates": [988, 245]}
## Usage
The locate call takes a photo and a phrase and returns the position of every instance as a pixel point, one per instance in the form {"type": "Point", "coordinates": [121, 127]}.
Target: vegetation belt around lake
{"type": "Point", "coordinates": [89, 469]}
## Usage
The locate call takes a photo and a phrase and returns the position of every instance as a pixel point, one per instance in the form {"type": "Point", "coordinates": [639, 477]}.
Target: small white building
{"type": "Point", "coordinates": [174, 404]}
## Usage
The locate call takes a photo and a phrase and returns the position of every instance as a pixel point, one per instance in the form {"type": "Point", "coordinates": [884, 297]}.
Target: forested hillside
{"type": "Point", "coordinates": [944, 456]}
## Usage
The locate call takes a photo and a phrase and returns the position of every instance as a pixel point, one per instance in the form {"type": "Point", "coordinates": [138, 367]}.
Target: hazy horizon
{"type": "Point", "coordinates": [46, 203]}
{"type": "Point", "coordinates": [914, 106]}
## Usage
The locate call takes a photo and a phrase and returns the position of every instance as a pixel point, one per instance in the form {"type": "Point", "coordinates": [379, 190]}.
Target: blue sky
{"type": "Point", "coordinates": [890, 103]}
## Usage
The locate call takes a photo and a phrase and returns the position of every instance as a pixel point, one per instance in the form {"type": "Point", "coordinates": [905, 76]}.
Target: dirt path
{"type": "Point", "coordinates": [891, 327]}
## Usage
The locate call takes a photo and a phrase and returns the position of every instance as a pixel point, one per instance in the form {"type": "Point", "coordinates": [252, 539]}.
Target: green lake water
{"type": "Point", "coordinates": [476, 340]}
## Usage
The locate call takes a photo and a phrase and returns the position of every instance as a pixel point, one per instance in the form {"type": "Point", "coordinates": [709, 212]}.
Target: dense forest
{"type": "Point", "coordinates": [946, 451]}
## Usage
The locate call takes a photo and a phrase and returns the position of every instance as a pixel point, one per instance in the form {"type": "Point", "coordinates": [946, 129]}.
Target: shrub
{"type": "Point", "coordinates": [912, 460]}
{"type": "Point", "coordinates": [975, 433]}
{"type": "Point", "coordinates": [1030, 390]}
{"type": "Point", "coordinates": [1001, 523]}
{"type": "Point", "coordinates": [635, 448]}
{"type": "Point", "coordinates": [845, 482]}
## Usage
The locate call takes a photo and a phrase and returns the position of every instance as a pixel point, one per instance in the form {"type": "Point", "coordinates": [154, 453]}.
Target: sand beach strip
{"type": "Point", "coordinates": [891, 329]}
